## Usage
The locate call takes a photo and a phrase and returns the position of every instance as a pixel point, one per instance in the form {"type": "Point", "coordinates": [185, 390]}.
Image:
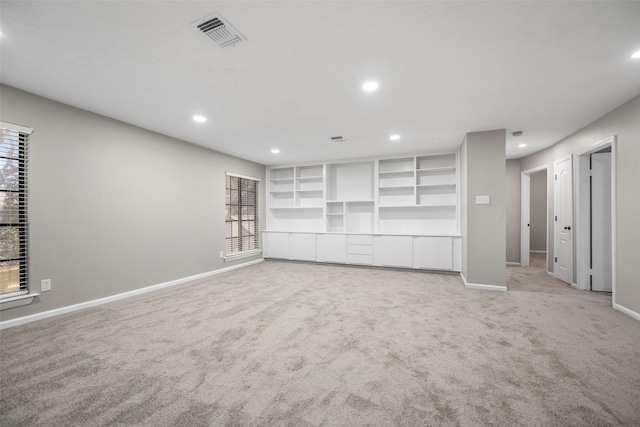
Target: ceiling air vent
{"type": "Point", "coordinates": [338, 139]}
{"type": "Point", "coordinates": [219, 30]}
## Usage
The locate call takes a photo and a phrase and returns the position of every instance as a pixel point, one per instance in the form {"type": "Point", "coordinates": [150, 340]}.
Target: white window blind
{"type": "Point", "coordinates": [14, 221]}
{"type": "Point", "coordinates": [241, 227]}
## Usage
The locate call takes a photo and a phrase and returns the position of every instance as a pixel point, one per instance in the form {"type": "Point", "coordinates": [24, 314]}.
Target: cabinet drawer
{"type": "Point", "coordinates": [354, 239]}
{"type": "Point", "coordinates": [360, 259]}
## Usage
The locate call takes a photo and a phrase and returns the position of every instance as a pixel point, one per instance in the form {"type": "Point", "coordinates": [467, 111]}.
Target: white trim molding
{"type": "Point", "coordinates": [514, 263]}
{"type": "Point", "coordinates": [627, 311]}
{"type": "Point", "coordinates": [237, 175]}
{"type": "Point", "coordinates": [17, 301]}
{"type": "Point", "coordinates": [525, 211]}
{"type": "Point", "coordinates": [482, 286]}
{"type": "Point", "coordinates": [240, 255]}
{"type": "Point", "coordinates": [71, 308]}
{"type": "Point", "coordinates": [583, 220]}
{"type": "Point", "coordinates": [16, 128]}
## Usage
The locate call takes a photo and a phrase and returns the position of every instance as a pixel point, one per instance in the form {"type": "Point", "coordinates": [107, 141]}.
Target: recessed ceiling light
{"type": "Point", "coordinates": [370, 86]}
{"type": "Point", "coordinates": [636, 55]}
{"type": "Point", "coordinates": [199, 119]}
{"type": "Point", "coordinates": [394, 137]}
{"type": "Point", "coordinates": [275, 151]}
{"type": "Point", "coordinates": [522, 145]}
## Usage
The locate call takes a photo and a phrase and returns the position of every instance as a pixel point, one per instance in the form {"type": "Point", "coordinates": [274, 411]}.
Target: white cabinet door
{"type": "Point", "coordinates": [335, 248]}
{"type": "Point", "coordinates": [435, 253]}
{"type": "Point", "coordinates": [397, 251]}
{"type": "Point", "coordinates": [302, 246]}
{"type": "Point", "coordinates": [276, 245]}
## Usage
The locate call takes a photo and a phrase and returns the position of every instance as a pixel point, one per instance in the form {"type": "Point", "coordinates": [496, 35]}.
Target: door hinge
{"type": "Point", "coordinates": [556, 259]}
{"type": "Point", "coordinates": [556, 177]}
{"type": "Point", "coordinates": [556, 218]}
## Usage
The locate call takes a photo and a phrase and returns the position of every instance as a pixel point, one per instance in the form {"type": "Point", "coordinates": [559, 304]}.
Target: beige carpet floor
{"type": "Point", "coordinates": [293, 344]}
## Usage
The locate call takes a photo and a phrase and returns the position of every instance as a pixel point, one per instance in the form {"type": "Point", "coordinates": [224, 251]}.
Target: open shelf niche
{"type": "Point", "coordinates": [350, 197]}
{"type": "Point", "coordinates": [296, 198]}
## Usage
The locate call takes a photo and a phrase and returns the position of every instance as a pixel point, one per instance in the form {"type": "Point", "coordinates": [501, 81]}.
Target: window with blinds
{"type": "Point", "coordinates": [14, 225]}
{"type": "Point", "coordinates": [241, 227]}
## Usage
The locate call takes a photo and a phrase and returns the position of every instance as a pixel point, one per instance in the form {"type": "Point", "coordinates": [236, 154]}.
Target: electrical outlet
{"type": "Point", "coordinates": [221, 254]}
{"type": "Point", "coordinates": [45, 285]}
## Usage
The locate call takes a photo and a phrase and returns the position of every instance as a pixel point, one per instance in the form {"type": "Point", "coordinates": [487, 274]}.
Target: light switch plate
{"type": "Point", "coordinates": [45, 285]}
{"type": "Point", "coordinates": [482, 200]}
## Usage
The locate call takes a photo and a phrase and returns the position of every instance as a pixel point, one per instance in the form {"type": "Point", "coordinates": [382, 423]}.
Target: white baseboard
{"type": "Point", "coordinates": [627, 311]}
{"type": "Point", "coordinates": [482, 286]}
{"type": "Point", "coordinates": [537, 252]}
{"type": "Point", "coordinates": [62, 310]}
{"type": "Point", "coordinates": [514, 263]}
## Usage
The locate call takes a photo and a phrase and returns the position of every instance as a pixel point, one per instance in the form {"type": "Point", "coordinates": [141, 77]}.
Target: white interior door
{"type": "Point", "coordinates": [525, 213]}
{"type": "Point", "coordinates": [563, 224]}
{"type": "Point", "coordinates": [601, 273]}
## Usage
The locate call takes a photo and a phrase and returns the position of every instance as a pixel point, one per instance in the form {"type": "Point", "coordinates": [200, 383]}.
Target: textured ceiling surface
{"type": "Point", "coordinates": [444, 69]}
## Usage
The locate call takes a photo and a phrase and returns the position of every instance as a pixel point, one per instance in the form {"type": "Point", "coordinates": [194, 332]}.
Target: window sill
{"type": "Point", "coordinates": [241, 255]}
{"type": "Point", "coordinates": [18, 301]}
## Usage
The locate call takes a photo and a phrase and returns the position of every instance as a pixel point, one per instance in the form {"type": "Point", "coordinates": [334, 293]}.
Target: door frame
{"type": "Point", "coordinates": [525, 219]}
{"type": "Point", "coordinates": [583, 216]}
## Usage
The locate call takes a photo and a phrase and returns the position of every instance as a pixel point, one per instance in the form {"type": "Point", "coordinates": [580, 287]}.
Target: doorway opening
{"type": "Point", "coordinates": [596, 217]}
{"type": "Point", "coordinates": [534, 237]}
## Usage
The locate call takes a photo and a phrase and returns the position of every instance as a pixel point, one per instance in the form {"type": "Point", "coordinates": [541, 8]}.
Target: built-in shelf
{"type": "Point", "coordinates": [412, 195]}
{"type": "Point", "coordinates": [392, 173]}
{"type": "Point", "coordinates": [298, 207]}
{"type": "Point", "coordinates": [443, 161]}
{"type": "Point", "coordinates": [382, 187]}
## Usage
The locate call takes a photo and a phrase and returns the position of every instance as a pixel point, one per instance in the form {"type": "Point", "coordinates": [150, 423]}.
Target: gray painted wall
{"type": "Point", "coordinates": [513, 210]}
{"type": "Point", "coordinates": [483, 227]}
{"type": "Point", "coordinates": [113, 207]}
{"type": "Point", "coordinates": [623, 122]}
{"type": "Point", "coordinates": [538, 212]}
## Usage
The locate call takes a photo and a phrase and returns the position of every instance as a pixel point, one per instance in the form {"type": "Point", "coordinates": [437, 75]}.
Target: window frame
{"type": "Point", "coordinates": [256, 249]}
{"type": "Point", "coordinates": [20, 135]}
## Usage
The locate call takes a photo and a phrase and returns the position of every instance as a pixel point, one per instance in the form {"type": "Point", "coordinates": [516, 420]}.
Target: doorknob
{"type": "Point", "coordinates": [567, 228]}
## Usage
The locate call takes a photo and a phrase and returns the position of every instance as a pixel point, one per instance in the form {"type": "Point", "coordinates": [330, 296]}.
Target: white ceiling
{"type": "Point", "coordinates": [444, 68]}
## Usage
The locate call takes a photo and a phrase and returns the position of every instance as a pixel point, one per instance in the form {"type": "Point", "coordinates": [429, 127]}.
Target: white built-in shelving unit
{"type": "Point", "coordinates": [378, 212]}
